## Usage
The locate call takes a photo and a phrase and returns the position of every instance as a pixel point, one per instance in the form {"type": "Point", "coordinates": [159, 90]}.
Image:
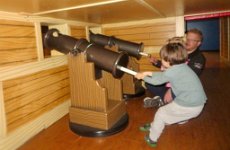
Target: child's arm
{"type": "Point", "coordinates": [141, 75]}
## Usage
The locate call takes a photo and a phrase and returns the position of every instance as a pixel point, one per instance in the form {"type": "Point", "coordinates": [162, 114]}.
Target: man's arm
{"type": "Point", "coordinates": [155, 62]}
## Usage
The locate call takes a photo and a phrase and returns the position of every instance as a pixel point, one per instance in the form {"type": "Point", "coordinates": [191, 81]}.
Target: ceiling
{"type": "Point", "coordinates": [113, 11]}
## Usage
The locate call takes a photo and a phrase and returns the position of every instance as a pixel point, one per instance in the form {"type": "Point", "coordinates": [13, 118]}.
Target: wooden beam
{"type": "Point", "coordinates": [150, 7]}
{"type": "Point", "coordinates": [78, 7]}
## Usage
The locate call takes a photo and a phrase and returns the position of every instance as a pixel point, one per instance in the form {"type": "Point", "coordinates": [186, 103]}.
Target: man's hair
{"type": "Point", "coordinates": [174, 53]}
{"type": "Point", "coordinates": [196, 31]}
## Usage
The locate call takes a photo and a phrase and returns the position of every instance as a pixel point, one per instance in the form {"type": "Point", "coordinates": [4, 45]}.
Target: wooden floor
{"type": "Point", "coordinates": [210, 131]}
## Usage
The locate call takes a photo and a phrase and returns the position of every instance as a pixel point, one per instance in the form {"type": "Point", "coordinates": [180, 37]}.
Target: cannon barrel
{"type": "Point", "coordinates": [53, 39]}
{"type": "Point", "coordinates": [131, 48]}
{"type": "Point", "coordinates": [102, 58]}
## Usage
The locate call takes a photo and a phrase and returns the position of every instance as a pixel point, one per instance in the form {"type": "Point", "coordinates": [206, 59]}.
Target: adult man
{"type": "Point", "coordinates": [196, 61]}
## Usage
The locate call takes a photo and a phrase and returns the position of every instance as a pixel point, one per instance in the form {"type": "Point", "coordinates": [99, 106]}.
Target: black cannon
{"type": "Point", "coordinates": [109, 61]}
{"type": "Point", "coordinates": [131, 48]}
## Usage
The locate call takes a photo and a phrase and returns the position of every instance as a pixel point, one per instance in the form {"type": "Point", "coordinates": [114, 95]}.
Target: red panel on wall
{"type": "Point", "coordinates": [207, 16]}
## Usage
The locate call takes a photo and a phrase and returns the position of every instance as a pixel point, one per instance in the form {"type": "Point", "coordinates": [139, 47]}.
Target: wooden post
{"type": "Point", "coordinates": [97, 108]}
{"type": "Point", "coordinates": [132, 86]}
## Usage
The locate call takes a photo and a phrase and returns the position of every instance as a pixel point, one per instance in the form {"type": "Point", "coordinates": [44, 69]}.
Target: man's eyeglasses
{"type": "Point", "coordinates": [192, 40]}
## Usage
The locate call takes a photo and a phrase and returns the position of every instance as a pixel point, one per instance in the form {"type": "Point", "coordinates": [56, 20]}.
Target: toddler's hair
{"type": "Point", "coordinates": [176, 39]}
{"type": "Point", "coordinates": [174, 53]}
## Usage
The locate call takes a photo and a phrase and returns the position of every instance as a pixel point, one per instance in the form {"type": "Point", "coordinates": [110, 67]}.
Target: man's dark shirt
{"type": "Point", "coordinates": [196, 61]}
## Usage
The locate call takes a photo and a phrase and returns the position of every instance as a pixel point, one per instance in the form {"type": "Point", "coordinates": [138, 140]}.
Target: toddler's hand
{"type": "Point", "coordinates": [141, 75]}
{"type": "Point", "coordinates": [168, 96]}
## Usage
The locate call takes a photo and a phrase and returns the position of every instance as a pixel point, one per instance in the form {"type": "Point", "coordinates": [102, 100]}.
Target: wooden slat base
{"type": "Point", "coordinates": [97, 119]}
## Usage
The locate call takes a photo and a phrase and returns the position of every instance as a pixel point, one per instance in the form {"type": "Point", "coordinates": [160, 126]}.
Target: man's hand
{"type": "Point", "coordinates": [168, 96]}
{"type": "Point", "coordinates": [153, 60]}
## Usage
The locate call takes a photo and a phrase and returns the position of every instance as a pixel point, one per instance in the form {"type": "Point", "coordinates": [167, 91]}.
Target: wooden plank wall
{"type": "Point", "coordinates": [28, 96]}
{"type": "Point", "coordinates": [224, 36]}
{"type": "Point", "coordinates": [78, 32]}
{"type": "Point", "coordinates": [151, 34]}
{"type": "Point", "coordinates": [17, 43]}
{"type": "Point", "coordinates": [31, 95]}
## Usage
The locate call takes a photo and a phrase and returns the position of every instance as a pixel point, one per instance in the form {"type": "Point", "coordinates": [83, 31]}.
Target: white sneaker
{"type": "Point", "coordinates": [183, 122]}
{"type": "Point", "coordinates": [156, 101]}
